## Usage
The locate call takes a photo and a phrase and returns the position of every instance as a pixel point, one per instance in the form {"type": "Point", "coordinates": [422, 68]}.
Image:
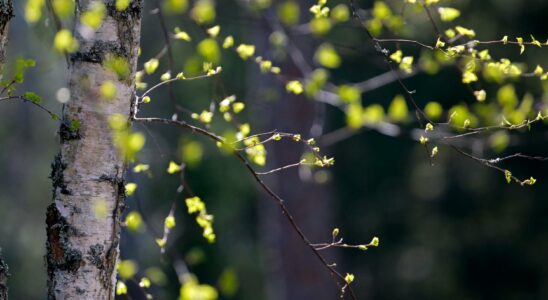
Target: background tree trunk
{"type": "Point", "coordinates": [82, 245]}
{"type": "Point", "coordinates": [292, 272]}
{"type": "Point", "coordinates": [3, 278]}
{"type": "Point", "coordinates": [6, 13]}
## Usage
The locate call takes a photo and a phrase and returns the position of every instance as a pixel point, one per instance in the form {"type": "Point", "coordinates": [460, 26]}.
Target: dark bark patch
{"type": "Point", "coordinates": [117, 183]}
{"type": "Point", "coordinates": [57, 177]}
{"type": "Point", "coordinates": [132, 12]}
{"type": "Point", "coordinates": [98, 51]}
{"type": "Point", "coordinates": [68, 132]}
{"type": "Point", "coordinates": [108, 264]}
{"type": "Point", "coordinates": [95, 255]}
{"type": "Point", "coordinates": [60, 254]}
{"type": "Point", "coordinates": [80, 291]}
{"type": "Point", "coordinates": [6, 13]}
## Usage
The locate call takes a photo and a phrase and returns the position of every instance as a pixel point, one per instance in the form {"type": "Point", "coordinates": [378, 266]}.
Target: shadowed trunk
{"type": "Point", "coordinates": [6, 13]}
{"type": "Point", "coordinates": [88, 173]}
{"type": "Point", "coordinates": [292, 271]}
{"type": "Point", "coordinates": [3, 278]}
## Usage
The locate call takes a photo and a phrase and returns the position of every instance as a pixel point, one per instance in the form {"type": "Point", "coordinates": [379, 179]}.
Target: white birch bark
{"type": "Point", "coordinates": [88, 173]}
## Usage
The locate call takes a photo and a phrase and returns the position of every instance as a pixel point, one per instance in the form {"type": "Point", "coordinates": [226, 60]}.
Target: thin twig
{"type": "Point", "coordinates": [273, 195]}
{"type": "Point", "coordinates": [25, 100]}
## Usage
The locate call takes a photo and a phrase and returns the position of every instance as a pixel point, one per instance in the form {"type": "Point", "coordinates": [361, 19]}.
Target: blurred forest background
{"type": "Point", "coordinates": [455, 230]}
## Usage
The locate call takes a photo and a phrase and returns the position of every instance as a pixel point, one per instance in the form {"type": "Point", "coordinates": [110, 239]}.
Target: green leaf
{"type": "Point", "coordinates": [228, 282]}
{"type": "Point", "coordinates": [182, 35]}
{"type": "Point", "coordinates": [507, 97]}
{"type": "Point", "coordinates": [121, 288]}
{"type": "Point", "coordinates": [397, 111]}
{"type": "Point", "coordinates": [203, 11]}
{"type": "Point", "coordinates": [508, 176]}
{"type": "Point", "coordinates": [294, 87]}
{"type": "Point", "coordinates": [108, 90]}
{"type": "Point", "coordinates": [32, 97]}
{"type": "Point", "coordinates": [499, 141]}
{"type": "Point", "coordinates": [354, 115]}
{"type": "Point", "coordinates": [173, 167]}
{"type": "Point", "coordinates": [175, 6]}
{"type": "Point", "coordinates": [288, 12]}
{"type": "Point", "coordinates": [93, 17]}
{"type": "Point", "coordinates": [209, 50]}
{"type": "Point", "coordinates": [381, 10]}
{"type": "Point", "coordinates": [169, 222]}
{"type": "Point", "coordinates": [433, 110]}
{"type": "Point", "coordinates": [320, 26]}
{"type": "Point", "coordinates": [228, 42]}
{"type": "Point", "coordinates": [144, 283]}
{"type": "Point", "coordinates": [65, 42]}
{"type": "Point", "coordinates": [406, 64]}
{"type": "Point", "coordinates": [122, 5]}
{"type": "Point", "coordinates": [340, 13]}
{"type": "Point", "coordinates": [373, 114]}
{"type": "Point", "coordinates": [151, 65]}
{"type": "Point", "coordinates": [118, 65]}
{"type": "Point", "coordinates": [448, 14]}
{"type": "Point", "coordinates": [191, 290]}
{"type": "Point", "coordinates": [349, 93]}
{"type": "Point", "coordinates": [245, 51]}
{"type": "Point", "coordinates": [214, 31]}
{"type": "Point", "coordinates": [327, 57]}
{"type": "Point", "coordinates": [465, 31]}
{"type": "Point", "coordinates": [349, 278]}
{"type": "Point", "coordinates": [130, 188]}
{"type": "Point", "coordinates": [63, 8]}
{"type": "Point", "coordinates": [192, 153]}
{"type": "Point", "coordinates": [127, 268]}
{"type": "Point", "coordinates": [134, 221]}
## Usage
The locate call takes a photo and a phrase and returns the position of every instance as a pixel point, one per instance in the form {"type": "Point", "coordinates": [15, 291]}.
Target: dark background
{"type": "Point", "coordinates": [455, 230]}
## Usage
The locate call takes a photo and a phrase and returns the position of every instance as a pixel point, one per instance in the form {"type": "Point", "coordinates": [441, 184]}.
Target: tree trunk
{"type": "Point", "coordinates": [6, 13]}
{"type": "Point", "coordinates": [292, 272]}
{"type": "Point", "coordinates": [82, 245]}
{"type": "Point", "coordinates": [3, 278]}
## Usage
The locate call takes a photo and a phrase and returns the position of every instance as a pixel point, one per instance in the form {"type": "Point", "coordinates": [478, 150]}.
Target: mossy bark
{"type": "Point", "coordinates": [88, 172]}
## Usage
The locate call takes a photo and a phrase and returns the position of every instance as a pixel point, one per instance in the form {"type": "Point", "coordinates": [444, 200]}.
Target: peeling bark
{"type": "Point", "coordinates": [88, 172]}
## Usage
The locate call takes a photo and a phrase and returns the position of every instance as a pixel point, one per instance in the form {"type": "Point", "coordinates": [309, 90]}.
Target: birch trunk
{"type": "Point", "coordinates": [82, 245]}
{"type": "Point", "coordinates": [6, 13]}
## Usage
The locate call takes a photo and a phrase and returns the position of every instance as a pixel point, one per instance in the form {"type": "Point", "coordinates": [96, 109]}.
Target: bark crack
{"type": "Point", "coordinates": [57, 177]}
